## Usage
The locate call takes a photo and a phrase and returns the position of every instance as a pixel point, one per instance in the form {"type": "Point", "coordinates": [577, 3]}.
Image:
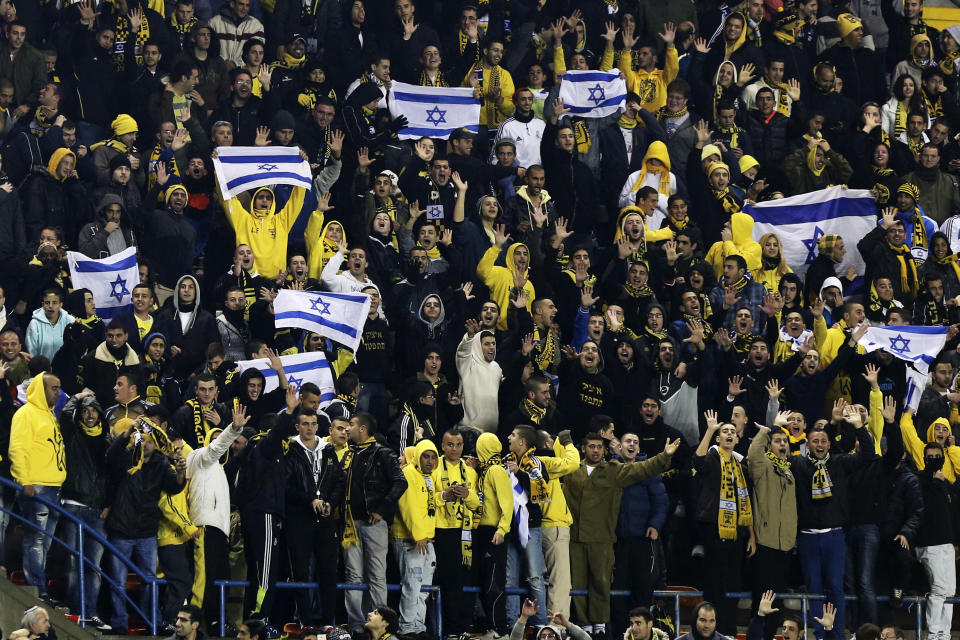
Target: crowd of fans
{"type": "Point", "coordinates": [579, 371]}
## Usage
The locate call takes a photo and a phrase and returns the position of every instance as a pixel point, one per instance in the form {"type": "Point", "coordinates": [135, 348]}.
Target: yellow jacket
{"type": "Point", "coordinates": [769, 278]}
{"type": "Point", "coordinates": [491, 113]}
{"type": "Point", "coordinates": [555, 512]}
{"type": "Point", "coordinates": [914, 447]}
{"type": "Point", "coordinates": [875, 418]}
{"type": "Point", "coordinates": [413, 520]}
{"type": "Point", "coordinates": [831, 345]}
{"type": "Point", "coordinates": [175, 525]}
{"type": "Point", "coordinates": [319, 251]}
{"type": "Point", "coordinates": [651, 86]}
{"type": "Point", "coordinates": [497, 488]}
{"type": "Point", "coordinates": [743, 244]}
{"type": "Point", "coordinates": [36, 450]}
{"type": "Point", "coordinates": [449, 514]}
{"type": "Point", "coordinates": [560, 64]}
{"type": "Point", "coordinates": [500, 280]}
{"type": "Point", "coordinates": [266, 232]}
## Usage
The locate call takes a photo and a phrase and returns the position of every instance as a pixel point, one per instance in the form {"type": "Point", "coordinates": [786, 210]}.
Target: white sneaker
{"type": "Point", "coordinates": [697, 551]}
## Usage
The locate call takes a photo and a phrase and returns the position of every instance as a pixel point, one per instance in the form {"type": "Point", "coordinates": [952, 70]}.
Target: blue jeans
{"type": "Point", "coordinates": [532, 565]}
{"type": "Point", "coordinates": [36, 543]}
{"type": "Point", "coordinates": [863, 544]}
{"type": "Point", "coordinates": [822, 557]}
{"type": "Point", "coordinates": [4, 520]}
{"type": "Point", "coordinates": [92, 550]}
{"type": "Point", "coordinates": [143, 553]}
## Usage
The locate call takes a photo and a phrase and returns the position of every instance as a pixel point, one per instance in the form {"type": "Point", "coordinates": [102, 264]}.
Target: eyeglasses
{"type": "Point", "coordinates": [244, 83]}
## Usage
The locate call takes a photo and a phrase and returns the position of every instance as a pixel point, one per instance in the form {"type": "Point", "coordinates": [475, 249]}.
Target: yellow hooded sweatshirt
{"type": "Point", "coordinates": [500, 280]}
{"type": "Point", "coordinates": [496, 486]}
{"type": "Point", "coordinates": [266, 231]}
{"type": "Point", "coordinates": [649, 235]}
{"type": "Point", "coordinates": [319, 249]}
{"type": "Point", "coordinates": [449, 514]}
{"type": "Point", "coordinates": [651, 86]}
{"type": "Point", "coordinates": [37, 455]}
{"type": "Point", "coordinates": [656, 151]}
{"type": "Point", "coordinates": [914, 447]}
{"type": "Point", "coordinates": [56, 157]}
{"type": "Point", "coordinates": [566, 460]}
{"type": "Point", "coordinates": [414, 521]}
{"type": "Point", "coordinates": [743, 244]}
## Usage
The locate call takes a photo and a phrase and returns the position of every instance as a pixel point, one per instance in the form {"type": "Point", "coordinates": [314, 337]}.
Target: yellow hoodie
{"type": "Point", "coordinates": [444, 476]}
{"type": "Point", "coordinates": [500, 280]}
{"type": "Point", "coordinates": [651, 86]}
{"type": "Point", "coordinates": [319, 250]}
{"type": "Point", "coordinates": [37, 453]}
{"type": "Point", "coordinates": [743, 244]}
{"type": "Point", "coordinates": [497, 488]}
{"type": "Point", "coordinates": [266, 231]}
{"type": "Point", "coordinates": [566, 460]}
{"type": "Point", "coordinates": [56, 157]}
{"type": "Point", "coordinates": [914, 447]}
{"type": "Point", "coordinates": [414, 521]}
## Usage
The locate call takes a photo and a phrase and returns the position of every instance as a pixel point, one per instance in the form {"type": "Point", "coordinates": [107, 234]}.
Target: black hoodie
{"type": "Point", "coordinates": [201, 330]}
{"type": "Point", "coordinates": [86, 449]}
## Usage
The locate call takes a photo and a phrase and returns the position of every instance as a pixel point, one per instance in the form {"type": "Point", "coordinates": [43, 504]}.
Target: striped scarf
{"type": "Point", "coordinates": [822, 486]}
{"type": "Point", "coordinates": [439, 80]}
{"type": "Point", "coordinates": [350, 535]}
{"type": "Point", "coordinates": [734, 505]}
{"type": "Point", "coordinates": [122, 31]}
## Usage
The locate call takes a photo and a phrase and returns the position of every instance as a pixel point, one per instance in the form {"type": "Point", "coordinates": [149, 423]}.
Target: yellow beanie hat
{"type": "Point", "coordinates": [747, 162]}
{"type": "Point", "coordinates": [847, 23]}
{"type": "Point", "coordinates": [709, 150]}
{"type": "Point", "coordinates": [714, 166]}
{"type": "Point", "coordinates": [124, 124]}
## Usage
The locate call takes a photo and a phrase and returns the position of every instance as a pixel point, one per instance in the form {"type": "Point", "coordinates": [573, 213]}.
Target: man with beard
{"type": "Point", "coordinates": [374, 360]}
{"type": "Point", "coordinates": [241, 108]}
{"type": "Point", "coordinates": [494, 88]}
{"type": "Point", "coordinates": [12, 357]}
{"type": "Point", "coordinates": [480, 377]}
{"type": "Point", "coordinates": [171, 239]}
{"type": "Point", "coordinates": [201, 414]}
{"type": "Point", "coordinates": [188, 328]}
{"type": "Point", "coordinates": [243, 275]}
{"type": "Point", "coordinates": [585, 389]}
{"type": "Point", "coordinates": [99, 369]}
{"type": "Point", "coordinates": [315, 133]}
{"type": "Point", "coordinates": [537, 408]}
{"type": "Point", "coordinates": [736, 291]}
{"type": "Point", "coordinates": [807, 388]}
{"type": "Point", "coordinates": [234, 332]}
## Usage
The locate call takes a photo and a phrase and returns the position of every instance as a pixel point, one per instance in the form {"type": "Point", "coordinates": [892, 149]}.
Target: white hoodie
{"type": "Point", "coordinates": [209, 492]}
{"type": "Point", "coordinates": [479, 385]}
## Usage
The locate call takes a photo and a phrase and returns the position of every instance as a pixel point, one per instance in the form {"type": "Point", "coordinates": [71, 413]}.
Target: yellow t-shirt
{"type": "Point", "coordinates": [144, 326]}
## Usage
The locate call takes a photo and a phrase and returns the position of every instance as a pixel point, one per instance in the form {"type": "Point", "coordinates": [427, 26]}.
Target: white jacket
{"type": "Point", "coordinates": [232, 35]}
{"type": "Point", "coordinates": [526, 136]}
{"type": "Point", "coordinates": [479, 385]}
{"type": "Point", "coordinates": [209, 492]}
{"type": "Point", "coordinates": [341, 282]}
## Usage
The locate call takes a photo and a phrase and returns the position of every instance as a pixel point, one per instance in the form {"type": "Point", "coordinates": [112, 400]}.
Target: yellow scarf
{"type": "Point", "coordinates": [533, 467]}
{"type": "Point", "coordinates": [122, 32]}
{"type": "Point", "coordinates": [547, 349]}
{"type": "Point", "coordinates": [439, 81]}
{"type": "Point", "coordinates": [536, 413]}
{"type": "Point", "coordinates": [734, 508]}
{"type": "Point", "coordinates": [822, 486]}
{"type": "Point", "coordinates": [461, 512]}
{"type": "Point", "coordinates": [727, 200]}
{"type": "Point", "coordinates": [289, 62]}
{"type": "Point", "coordinates": [350, 537]}
{"type": "Point", "coordinates": [934, 107]}
{"type": "Point", "coordinates": [952, 261]}
{"type": "Point", "coordinates": [949, 62]}
{"type": "Point", "coordinates": [900, 121]}
{"type": "Point", "coordinates": [200, 426]}
{"type": "Point", "coordinates": [625, 122]}
{"type": "Point", "coordinates": [148, 432]}
{"type": "Point", "coordinates": [908, 270]}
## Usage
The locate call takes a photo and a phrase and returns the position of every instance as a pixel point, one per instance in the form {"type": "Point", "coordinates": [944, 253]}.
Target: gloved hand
{"type": "Point", "coordinates": [399, 123]}
{"type": "Point", "coordinates": [564, 437]}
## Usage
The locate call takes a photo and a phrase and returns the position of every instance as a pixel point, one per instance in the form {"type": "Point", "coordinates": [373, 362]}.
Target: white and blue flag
{"type": "Point", "coordinates": [593, 94]}
{"type": "Point", "coordinates": [917, 344]}
{"type": "Point", "coordinates": [337, 316]}
{"type": "Point", "coordinates": [435, 112]}
{"type": "Point", "coordinates": [298, 368]}
{"type": "Point", "coordinates": [242, 168]}
{"type": "Point", "coordinates": [800, 221]}
{"type": "Point", "coordinates": [110, 280]}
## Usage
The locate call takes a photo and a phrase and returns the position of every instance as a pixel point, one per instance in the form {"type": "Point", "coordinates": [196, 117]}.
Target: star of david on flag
{"type": "Point", "coordinates": [597, 94]}
{"type": "Point", "coordinates": [593, 94]}
{"type": "Point", "coordinates": [337, 316]}
{"type": "Point", "coordinates": [241, 168]}
{"type": "Point", "coordinates": [433, 111]}
{"type": "Point", "coordinates": [916, 344]}
{"type": "Point", "coordinates": [298, 369]}
{"type": "Point", "coordinates": [811, 245]}
{"type": "Point", "coordinates": [110, 280]}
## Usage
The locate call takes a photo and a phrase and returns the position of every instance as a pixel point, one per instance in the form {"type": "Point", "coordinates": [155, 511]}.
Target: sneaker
{"type": "Point", "coordinates": [94, 621]}
{"type": "Point", "coordinates": [697, 551]}
{"type": "Point", "coordinates": [896, 598]}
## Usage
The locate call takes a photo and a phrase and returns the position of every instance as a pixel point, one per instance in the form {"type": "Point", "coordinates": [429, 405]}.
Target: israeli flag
{"type": "Point", "coordinates": [298, 368]}
{"type": "Point", "coordinates": [435, 112]}
{"type": "Point", "coordinates": [242, 168]}
{"type": "Point", "coordinates": [800, 221]}
{"type": "Point", "coordinates": [916, 383]}
{"type": "Point", "coordinates": [593, 94]}
{"type": "Point", "coordinates": [338, 316]}
{"type": "Point", "coordinates": [916, 344]}
{"type": "Point", "coordinates": [110, 280]}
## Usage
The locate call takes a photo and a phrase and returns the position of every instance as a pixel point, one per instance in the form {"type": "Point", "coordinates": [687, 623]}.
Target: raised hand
{"type": "Point", "coordinates": [423, 151]}
{"type": "Point", "coordinates": [793, 89]}
{"type": "Point", "coordinates": [611, 33]}
{"type": "Point", "coordinates": [458, 182]}
{"type": "Point", "coordinates": [323, 202]}
{"type": "Point", "coordinates": [264, 76]}
{"type": "Point", "coordinates": [766, 604]}
{"type": "Point", "coordinates": [872, 374]}
{"type": "Point", "coordinates": [472, 327]}
{"type": "Point", "coordinates": [782, 419]}
{"type": "Point", "coordinates": [703, 133]}
{"type": "Point", "coordinates": [446, 239]}
{"type": "Point", "coordinates": [526, 346]}
{"type": "Point", "coordinates": [560, 228]}
{"type": "Point", "coordinates": [363, 158]}
{"type": "Point", "coordinates": [500, 234]}
{"type": "Point", "coordinates": [671, 447]}
{"type": "Point", "coordinates": [700, 44]}
{"type": "Point", "coordinates": [467, 288]}
{"type": "Point", "coordinates": [240, 417]}
{"type": "Point", "coordinates": [747, 73]}
{"type": "Point", "coordinates": [711, 417]}
{"type": "Point", "coordinates": [773, 388]}
{"type": "Point", "coordinates": [263, 137]}
{"type": "Point", "coordinates": [135, 17]}
{"type": "Point", "coordinates": [829, 613]}
{"type": "Point", "coordinates": [730, 297]}
{"type": "Point", "coordinates": [669, 34]}
{"type": "Point", "coordinates": [889, 217]}
{"type": "Point", "coordinates": [336, 142]}
{"type": "Point", "coordinates": [734, 386]}
{"type": "Point", "coordinates": [587, 299]}
{"type": "Point", "coordinates": [889, 409]}
{"type": "Point", "coordinates": [696, 334]}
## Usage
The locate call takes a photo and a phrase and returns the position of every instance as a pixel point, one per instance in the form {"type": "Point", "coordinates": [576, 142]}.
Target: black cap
{"type": "Point", "coordinates": [462, 134]}
{"type": "Point", "coordinates": [296, 36]}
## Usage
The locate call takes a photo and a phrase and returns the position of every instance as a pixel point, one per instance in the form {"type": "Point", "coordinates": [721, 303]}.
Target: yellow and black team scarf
{"type": "Point", "coordinates": [494, 460]}
{"type": "Point", "coordinates": [787, 27]}
{"type": "Point", "coordinates": [740, 284]}
{"type": "Point", "coordinates": [439, 80]}
{"type": "Point", "coordinates": [781, 467]}
{"type": "Point", "coordinates": [546, 354]}
{"type": "Point", "coordinates": [949, 62]}
{"type": "Point", "coordinates": [734, 505]}
{"type": "Point", "coordinates": [727, 200]}
{"type": "Point", "coordinates": [200, 426]}
{"type": "Point", "coordinates": [934, 107]}
{"type": "Point", "coordinates": [122, 32]}
{"type": "Point", "coordinates": [664, 114]}
{"type": "Point", "coordinates": [880, 306]}
{"type": "Point", "coordinates": [702, 323]}
{"type": "Point", "coordinates": [289, 61]}
{"type": "Point", "coordinates": [658, 335]}
{"type": "Point", "coordinates": [949, 260]}
{"type": "Point", "coordinates": [350, 537]}
{"type": "Point", "coordinates": [537, 473]}
{"type": "Point", "coordinates": [734, 135]}
{"type": "Point", "coordinates": [41, 122]}
{"type": "Point", "coordinates": [743, 341]}
{"type": "Point", "coordinates": [148, 432]}
{"type": "Point", "coordinates": [116, 145]}
{"type": "Point", "coordinates": [706, 310]}
{"type": "Point", "coordinates": [535, 413]}
{"type": "Point", "coordinates": [626, 122]}
{"type": "Point", "coordinates": [182, 28]}
{"type": "Point", "coordinates": [581, 136]}
{"type": "Point", "coordinates": [172, 168]}
{"type": "Point", "coordinates": [822, 487]}
{"type": "Point", "coordinates": [637, 291]}
{"type": "Point", "coordinates": [460, 511]}
{"type": "Point", "coordinates": [463, 41]}
{"type": "Point", "coordinates": [908, 269]}
{"type": "Point", "coordinates": [919, 236]}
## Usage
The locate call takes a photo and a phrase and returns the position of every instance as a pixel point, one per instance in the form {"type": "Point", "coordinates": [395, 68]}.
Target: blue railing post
{"type": "Point", "coordinates": [919, 617]}
{"type": "Point", "coordinates": [676, 614]}
{"type": "Point", "coordinates": [223, 609]}
{"type": "Point", "coordinates": [154, 605]}
{"type": "Point", "coordinates": [81, 572]}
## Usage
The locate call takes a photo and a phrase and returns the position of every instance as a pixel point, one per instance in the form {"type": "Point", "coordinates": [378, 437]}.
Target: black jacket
{"type": "Point", "coordinates": [303, 489]}
{"type": "Point", "coordinates": [262, 480]}
{"type": "Point", "coordinates": [48, 202]}
{"type": "Point", "coordinates": [135, 508]}
{"type": "Point", "coordinates": [98, 371]}
{"type": "Point", "coordinates": [86, 481]}
{"type": "Point", "coordinates": [170, 239]}
{"type": "Point", "coordinates": [861, 70]}
{"type": "Point", "coordinates": [939, 522]}
{"type": "Point", "coordinates": [182, 423]}
{"type": "Point", "coordinates": [193, 344]}
{"type": "Point", "coordinates": [882, 262]}
{"type": "Point", "coordinates": [570, 183]}
{"type": "Point", "coordinates": [834, 511]}
{"type": "Point", "coordinates": [381, 481]}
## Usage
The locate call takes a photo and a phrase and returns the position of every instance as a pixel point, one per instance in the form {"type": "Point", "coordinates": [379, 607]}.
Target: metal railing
{"type": "Point", "coordinates": [84, 564]}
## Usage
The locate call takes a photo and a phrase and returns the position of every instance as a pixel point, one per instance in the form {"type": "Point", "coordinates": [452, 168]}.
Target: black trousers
{"type": "Point", "coordinates": [216, 566]}
{"type": "Point", "coordinates": [723, 574]}
{"type": "Point", "coordinates": [491, 562]}
{"type": "Point", "coordinates": [261, 533]}
{"type": "Point", "coordinates": [313, 548]}
{"type": "Point", "coordinates": [176, 561]}
{"type": "Point", "coordinates": [770, 570]}
{"type": "Point", "coordinates": [634, 570]}
{"type": "Point", "coordinates": [451, 575]}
